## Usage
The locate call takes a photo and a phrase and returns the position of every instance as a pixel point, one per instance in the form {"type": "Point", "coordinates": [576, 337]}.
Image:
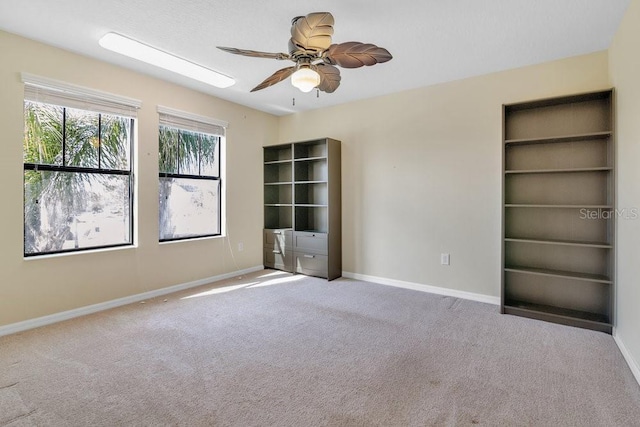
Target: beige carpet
{"type": "Point", "coordinates": [282, 350]}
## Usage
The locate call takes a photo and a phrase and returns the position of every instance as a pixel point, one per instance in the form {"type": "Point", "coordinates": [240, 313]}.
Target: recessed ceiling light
{"type": "Point", "coordinates": [142, 52]}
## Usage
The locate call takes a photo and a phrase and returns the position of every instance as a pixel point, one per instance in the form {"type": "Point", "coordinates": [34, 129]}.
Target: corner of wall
{"type": "Point", "coordinates": [624, 69]}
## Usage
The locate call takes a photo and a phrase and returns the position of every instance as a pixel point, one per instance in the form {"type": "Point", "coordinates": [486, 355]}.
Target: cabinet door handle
{"type": "Point", "coordinates": [276, 252]}
{"type": "Point", "coordinates": [309, 256]}
{"type": "Point", "coordinates": [277, 232]}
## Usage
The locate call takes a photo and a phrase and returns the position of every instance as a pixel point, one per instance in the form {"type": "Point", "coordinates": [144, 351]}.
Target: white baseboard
{"type": "Point", "coordinates": [424, 288]}
{"type": "Point", "coordinates": [82, 311]}
{"type": "Point", "coordinates": [633, 364]}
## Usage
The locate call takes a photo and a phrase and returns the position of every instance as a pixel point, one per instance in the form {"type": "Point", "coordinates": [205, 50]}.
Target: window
{"type": "Point", "coordinates": [190, 184]}
{"type": "Point", "coordinates": [78, 180]}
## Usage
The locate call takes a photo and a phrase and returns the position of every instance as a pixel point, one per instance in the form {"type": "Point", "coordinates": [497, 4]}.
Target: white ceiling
{"type": "Point", "coordinates": [432, 41]}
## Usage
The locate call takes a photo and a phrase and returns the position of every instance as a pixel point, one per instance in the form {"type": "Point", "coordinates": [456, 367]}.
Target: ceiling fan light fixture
{"type": "Point", "coordinates": [305, 79]}
{"type": "Point", "coordinates": [315, 56]}
{"type": "Point", "coordinates": [142, 52]}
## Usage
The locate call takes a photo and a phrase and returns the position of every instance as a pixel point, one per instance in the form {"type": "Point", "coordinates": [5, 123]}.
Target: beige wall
{"type": "Point", "coordinates": [422, 171]}
{"type": "Point", "coordinates": [625, 76]}
{"type": "Point", "coordinates": [37, 287]}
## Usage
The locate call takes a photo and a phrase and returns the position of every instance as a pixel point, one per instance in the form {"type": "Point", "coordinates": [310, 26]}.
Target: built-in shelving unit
{"type": "Point", "coordinates": [302, 202]}
{"type": "Point", "coordinates": [559, 210]}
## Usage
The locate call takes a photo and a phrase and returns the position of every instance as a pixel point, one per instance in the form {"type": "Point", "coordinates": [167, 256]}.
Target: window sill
{"type": "Point", "coordinates": [192, 239]}
{"type": "Point", "coordinates": [80, 252]}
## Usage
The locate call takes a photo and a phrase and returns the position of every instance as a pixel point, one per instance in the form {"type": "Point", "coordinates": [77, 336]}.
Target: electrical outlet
{"type": "Point", "coordinates": [444, 259]}
{"type": "Point", "coordinates": [240, 247]}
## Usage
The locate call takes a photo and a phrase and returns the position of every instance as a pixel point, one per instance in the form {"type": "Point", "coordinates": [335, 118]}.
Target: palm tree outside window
{"type": "Point", "coordinates": [189, 184]}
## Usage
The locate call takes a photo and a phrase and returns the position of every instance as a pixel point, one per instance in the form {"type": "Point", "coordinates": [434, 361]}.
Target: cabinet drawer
{"type": "Point", "coordinates": [315, 243]}
{"type": "Point", "coordinates": [311, 264]}
{"type": "Point", "coordinates": [278, 239]}
{"type": "Point", "coordinates": [274, 258]}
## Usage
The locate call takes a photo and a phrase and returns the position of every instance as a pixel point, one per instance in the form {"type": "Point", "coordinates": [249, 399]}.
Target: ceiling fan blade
{"type": "Point", "coordinates": [276, 77]}
{"type": "Point", "coordinates": [311, 33]}
{"type": "Point", "coordinates": [329, 77]}
{"type": "Point", "coordinates": [355, 54]}
{"type": "Point", "coordinates": [255, 53]}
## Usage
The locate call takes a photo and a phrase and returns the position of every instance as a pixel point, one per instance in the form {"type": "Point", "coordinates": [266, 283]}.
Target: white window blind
{"type": "Point", "coordinates": [191, 122]}
{"type": "Point", "coordinates": [49, 91]}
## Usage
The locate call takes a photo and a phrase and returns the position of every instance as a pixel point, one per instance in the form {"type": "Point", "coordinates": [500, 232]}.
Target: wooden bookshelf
{"type": "Point", "coordinates": [302, 202]}
{"type": "Point", "coordinates": [559, 210]}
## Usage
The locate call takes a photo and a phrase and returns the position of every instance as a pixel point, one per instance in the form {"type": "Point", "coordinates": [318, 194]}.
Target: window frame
{"type": "Point", "coordinates": [45, 91]}
{"type": "Point", "coordinates": [183, 122]}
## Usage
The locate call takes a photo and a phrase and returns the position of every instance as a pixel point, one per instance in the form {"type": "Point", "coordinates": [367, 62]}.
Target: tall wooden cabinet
{"type": "Point", "coordinates": [302, 208]}
{"type": "Point", "coordinates": [559, 210]}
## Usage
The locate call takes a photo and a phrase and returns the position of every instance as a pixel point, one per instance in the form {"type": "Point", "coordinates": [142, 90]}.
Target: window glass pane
{"type": "Point", "coordinates": [42, 133]}
{"type": "Point", "coordinates": [210, 157]}
{"type": "Point", "coordinates": [168, 150]}
{"type": "Point", "coordinates": [115, 136]}
{"type": "Point", "coordinates": [189, 208]}
{"type": "Point", "coordinates": [189, 153]}
{"type": "Point", "coordinates": [81, 134]}
{"type": "Point", "coordinates": [66, 210]}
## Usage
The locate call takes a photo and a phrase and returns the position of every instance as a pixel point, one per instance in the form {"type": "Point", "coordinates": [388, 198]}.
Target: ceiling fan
{"type": "Point", "coordinates": [315, 57]}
